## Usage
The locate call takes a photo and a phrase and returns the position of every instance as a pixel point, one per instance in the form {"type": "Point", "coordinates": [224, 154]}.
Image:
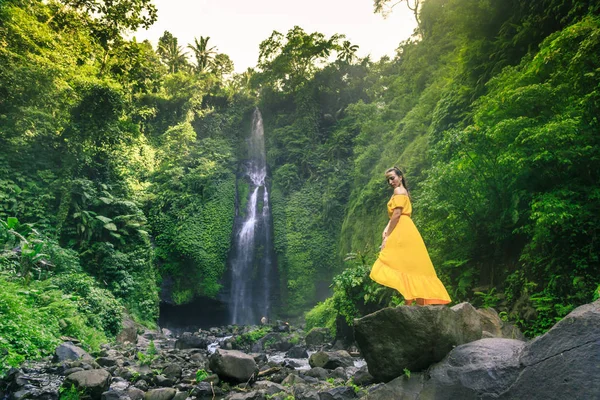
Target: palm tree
{"type": "Point", "coordinates": [172, 55]}
{"type": "Point", "coordinates": [347, 52]}
{"type": "Point", "coordinates": [204, 55]}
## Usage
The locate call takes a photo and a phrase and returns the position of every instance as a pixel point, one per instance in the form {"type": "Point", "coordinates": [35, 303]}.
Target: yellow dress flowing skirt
{"type": "Point", "coordinates": [404, 263]}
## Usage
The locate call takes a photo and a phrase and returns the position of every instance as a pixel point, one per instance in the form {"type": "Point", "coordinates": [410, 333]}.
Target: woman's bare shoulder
{"type": "Point", "coordinates": [400, 190]}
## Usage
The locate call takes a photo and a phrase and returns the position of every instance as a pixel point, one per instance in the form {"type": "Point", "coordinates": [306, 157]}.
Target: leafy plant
{"type": "Point", "coordinates": [201, 375]}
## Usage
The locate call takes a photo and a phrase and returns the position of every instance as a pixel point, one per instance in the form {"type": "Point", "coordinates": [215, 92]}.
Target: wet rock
{"type": "Point", "coordinates": [339, 372]}
{"type": "Point", "coordinates": [93, 382]}
{"type": "Point", "coordinates": [115, 395]}
{"type": "Point", "coordinates": [331, 359]}
{"type": "Point", "coordinates": [233, 365]}
{"type": "Point", "coordinates": [393, 339]}
{"type": "Point", "coordinates": [292, 379]}
{"type": "Point", "coordinates": [270, 388]}
{"type": "Point", "coordinates": [401, 388]}
{"type": "Point", "coordinates": [564, 362]}
{"type": "Point", "coordinates": [318, 337]}
{"type": "Point", "coordinates": [189, 341]}
{"type": "Point", "coordinates": [70, 371]}
{"type": "Point", "coordinates": [338, 393]}
{"type": "Point", "coordinates": [173, 371]}
{"type": "Point", "coordinates": [304, 392]}
{"type": "Point", "coordinates": [180, 396]}
{"type": "Point", "coordinates": [106, 361]}
{"type": "Point", "coordinates": [68, 351]}
{"type": "Point", "coordinates": [163, 381]}
{"type": "Point", "coordinates": [297, 352]}
{"type": "Point", "coordinates": [362, 377]}
{"type": "Point", "coordinates": [255, 395]}
{"type": "Point", "coordinates": [135, 393]}
{"type": "Point", "coordinates": [318, 372]}
{"type": "Point", "coordinates": [486, 367]}
{"type": "Point", "coordinates": [160, 394]}
{"type": "Point", "coordinates": [128, 332]}
{"type": "Point", "coordinates": [142, 385]}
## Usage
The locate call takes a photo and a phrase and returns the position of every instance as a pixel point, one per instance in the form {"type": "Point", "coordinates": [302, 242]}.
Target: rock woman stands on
{"type": "Point", "coordinates": [403, 262]}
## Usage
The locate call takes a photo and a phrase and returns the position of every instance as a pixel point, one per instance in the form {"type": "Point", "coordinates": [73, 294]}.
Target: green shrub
{"type": "Point", "coordinates": [323, 315]}
{"type": "Point", "coordinates": [34, 317]}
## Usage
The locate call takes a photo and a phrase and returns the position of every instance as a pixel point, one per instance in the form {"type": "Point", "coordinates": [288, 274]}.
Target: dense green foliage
{"type": "Point", "coordinates": [119, 168]}
{"type": "Point", "coordinates": [489, 109]}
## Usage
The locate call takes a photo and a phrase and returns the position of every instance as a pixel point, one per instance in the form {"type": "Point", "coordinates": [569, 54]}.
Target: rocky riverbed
{"type": "Point", "coordinates": [409, 353]}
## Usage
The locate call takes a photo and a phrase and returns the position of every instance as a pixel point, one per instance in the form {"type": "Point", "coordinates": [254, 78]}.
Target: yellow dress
{"type": "Point", "coordinates": [404, 263]}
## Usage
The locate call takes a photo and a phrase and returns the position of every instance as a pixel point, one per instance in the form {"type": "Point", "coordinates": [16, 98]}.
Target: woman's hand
{"type": "Point", "coordinates": [383, 235]}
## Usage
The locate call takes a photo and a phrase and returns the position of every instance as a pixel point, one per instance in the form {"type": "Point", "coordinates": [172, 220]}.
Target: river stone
{"type": "Point", "coordinates": [292, 379]}
{"type": "Point", "coordinates": [160, 394]}
{"type": "Point", "coordinates": [331, 359]}
{"type": "Point", "coordinates": [128, 332]}
{"type": "Point", "coordinates": [484, 368]}
{"type": "Point", "coordinates": [318, 372]}
{"type": "Point", "coordinates": [180, 396]}
{"type": "Point", "coordinates": [401, 388]}
{"type": "Point", "coordinates": [305, 392]}
{"type": "Point", "coordinates": [93, 382]}
{"type": "Point", "coordinates": [270, 388]}
{"type": "Point", "coordinates": [189, 341]}
{"type": "Point", "coordinates": [135, 393]}
{"type": "Point", "coordinates": [338, 393]}
{"type": "Point", "coordinates": [68, 351]}
{"type": "Point", "coordinates": [173, 371]}
{"type": "Point", "coordinates": [297, 352]}
{"type": "Point", "coordinates": [106, 361]}
{"type": "Point", "coordinates": [563, 363]}
{"type": "Point", "coordinates": [362, 377]}
{"type": "Point", "coordinates": [255, 395]}
{"type": "Point", "coordinates": [233, 365]}
{"type": "Point", "coordinates": [317, 337]}
{"type": "Point", "coordinates": [413, 338]}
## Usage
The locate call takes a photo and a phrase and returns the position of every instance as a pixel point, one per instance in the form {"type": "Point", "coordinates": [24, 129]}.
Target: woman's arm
{"type": "Point", "coordinates": [385, 231]}
{"type": "Point", "coordinates": [392, 224]}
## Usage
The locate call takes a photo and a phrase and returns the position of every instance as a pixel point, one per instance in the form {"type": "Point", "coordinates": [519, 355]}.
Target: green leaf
{"type": "Point", "coordinates": [12, 222]}
{"type": "Point", "coordinates": [110, 226]}
{"type": "Point", "coordinates": [106, 220]}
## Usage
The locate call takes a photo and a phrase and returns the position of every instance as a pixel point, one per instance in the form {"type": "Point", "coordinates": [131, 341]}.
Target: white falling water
{"type": "Point", "coordinates": [250, 290]}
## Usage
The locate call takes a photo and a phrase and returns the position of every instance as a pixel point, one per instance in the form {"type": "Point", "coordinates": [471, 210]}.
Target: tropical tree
{"type": "Point", "coordinates": [171, 53]}
{"type": "Point", "coordinates": [205, 56]}
{"type": "Point", "coordinates": [347, 52]}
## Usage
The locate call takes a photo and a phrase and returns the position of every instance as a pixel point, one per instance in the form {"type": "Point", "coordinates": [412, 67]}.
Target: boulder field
{"type": "Point", "coordinates": [423, 353]}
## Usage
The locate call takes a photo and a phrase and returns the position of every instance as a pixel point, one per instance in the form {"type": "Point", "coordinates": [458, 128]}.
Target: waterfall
{"type": "Point", "coordinates": [251, 266]}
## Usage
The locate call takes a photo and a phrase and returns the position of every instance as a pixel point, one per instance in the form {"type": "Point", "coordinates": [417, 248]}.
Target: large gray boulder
{"type": "Point", "coordinates": [190, 341]}
{"type": "Point", "coordinates": [160, 394]}
{"type": "Point", "coordinates": [486, 367]}
{"type": "Point", "coordinates": [68, 351]}
{"type": "Point", "coordinates": [413, 338]}
{"type": "Point", "coordinates": [564, 363]}
{"type": "Point", "coordinates": [93, 382]}
{"type": "Point", "coordinates": [317, 337]}
{"type": "Point", "coordinates": [331, 359]}
{"type": "Point", "coordinates": [233, 365]}
{"type": "Point", "coordinates": [401, 388]}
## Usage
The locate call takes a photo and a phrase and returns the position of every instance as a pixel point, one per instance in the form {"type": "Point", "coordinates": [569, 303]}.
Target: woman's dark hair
{"type": "Point", "coordinates": [401, 175]}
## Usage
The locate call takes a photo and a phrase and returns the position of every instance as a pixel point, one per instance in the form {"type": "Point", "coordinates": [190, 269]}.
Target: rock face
{"type": "Point", "coordinates": [564, 362]}
{"type": "Point", "coordinates": [233, 365]}
{"type": "Point", "coordinates": [393, 339]}
{"type": "Point", "coordinates": [486, 367]}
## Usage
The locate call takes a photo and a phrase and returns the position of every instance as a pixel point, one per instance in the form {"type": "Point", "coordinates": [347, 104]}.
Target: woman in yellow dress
{"type": "Point", "coordinates": [403, 262]}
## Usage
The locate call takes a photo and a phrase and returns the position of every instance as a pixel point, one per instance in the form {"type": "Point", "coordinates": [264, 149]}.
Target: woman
{"type": "Point", "coordinates": [404, 263]}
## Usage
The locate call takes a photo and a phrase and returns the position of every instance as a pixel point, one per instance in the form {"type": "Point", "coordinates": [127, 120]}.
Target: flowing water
{"type": "Point", "coordinates": [251, 266]}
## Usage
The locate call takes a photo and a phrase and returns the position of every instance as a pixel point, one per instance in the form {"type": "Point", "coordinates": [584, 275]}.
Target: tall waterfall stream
{"type": "Point", "coordinates": [252, 273]}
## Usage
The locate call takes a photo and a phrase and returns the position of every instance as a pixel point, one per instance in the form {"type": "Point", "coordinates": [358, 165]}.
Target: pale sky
{"type": "Point", "coordinates": [236, 27]}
